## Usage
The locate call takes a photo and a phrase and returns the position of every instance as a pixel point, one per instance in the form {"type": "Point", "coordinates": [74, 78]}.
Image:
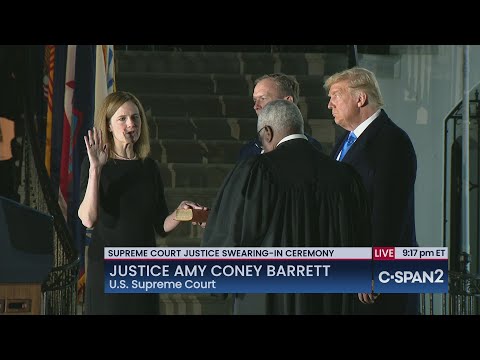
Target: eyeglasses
{"type": "Point", "coordinates": [258, 145]}
{"type": "Point", "coordinates": [259, 131]}
{"type": "Point", "coordinates": [258, 141]}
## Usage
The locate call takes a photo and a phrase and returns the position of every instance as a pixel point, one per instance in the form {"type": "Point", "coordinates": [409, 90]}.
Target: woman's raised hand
{"type": "Point", "coordinates": [97, 151]}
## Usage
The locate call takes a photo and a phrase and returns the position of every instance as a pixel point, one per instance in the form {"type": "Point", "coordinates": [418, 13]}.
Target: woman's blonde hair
{"type": "Point", "coordinates": [359, 79]}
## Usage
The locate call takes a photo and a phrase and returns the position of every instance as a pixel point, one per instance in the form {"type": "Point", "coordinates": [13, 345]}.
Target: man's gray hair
{"type": "Point", "coordinates": [281, 115]}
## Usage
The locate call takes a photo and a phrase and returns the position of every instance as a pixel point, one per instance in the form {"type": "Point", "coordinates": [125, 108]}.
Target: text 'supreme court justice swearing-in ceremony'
{"type": "Point", "coordinates": [240, 180]}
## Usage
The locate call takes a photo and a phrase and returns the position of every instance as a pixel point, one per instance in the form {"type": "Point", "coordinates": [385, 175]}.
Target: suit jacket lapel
{"type": "Point", "coordinates": [369, 133]}
{"type": "Point", "coordinates": [338, 145]}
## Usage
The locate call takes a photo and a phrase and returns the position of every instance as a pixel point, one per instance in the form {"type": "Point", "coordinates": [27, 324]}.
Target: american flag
{"type": "Point", "coordinates": [84, 76]}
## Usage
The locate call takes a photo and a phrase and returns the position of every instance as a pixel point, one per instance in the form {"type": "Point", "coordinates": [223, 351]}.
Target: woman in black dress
{"type": "Point", "coordinates": [122, 198]}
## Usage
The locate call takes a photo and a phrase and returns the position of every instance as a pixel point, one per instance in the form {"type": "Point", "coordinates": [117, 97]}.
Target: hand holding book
{"type": "Point", "coordinates": [193, 215]}
{"type": "Point", "coordinates": [193, 212]}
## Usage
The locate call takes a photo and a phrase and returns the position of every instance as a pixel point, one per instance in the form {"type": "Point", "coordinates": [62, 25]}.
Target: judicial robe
{"type": "Point", "coordinates": [293, 196]}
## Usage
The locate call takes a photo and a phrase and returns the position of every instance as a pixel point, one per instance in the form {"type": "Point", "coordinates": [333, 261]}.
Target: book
{"type": "Point", "coordinates": [193, 215]}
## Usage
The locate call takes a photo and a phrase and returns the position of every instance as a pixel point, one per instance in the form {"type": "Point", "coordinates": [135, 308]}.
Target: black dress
{"type": "Point", "coordinates": [294, 196]}
{"type": "Point", "coordinates": [131, 208]}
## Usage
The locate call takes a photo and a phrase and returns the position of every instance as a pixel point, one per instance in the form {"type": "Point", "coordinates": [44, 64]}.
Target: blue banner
{"type": "Point", "coordinates": [276, 270]}
{"type": "Point", "coordinates": [411, 276]}
{"type": "Point", "coordinates": [238, 276]}
{"type": "Point", "coordinates": [410, 270]}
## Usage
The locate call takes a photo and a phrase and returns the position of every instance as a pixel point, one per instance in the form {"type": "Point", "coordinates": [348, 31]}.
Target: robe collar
{"type": "Point", "coordinates": [291, 137]}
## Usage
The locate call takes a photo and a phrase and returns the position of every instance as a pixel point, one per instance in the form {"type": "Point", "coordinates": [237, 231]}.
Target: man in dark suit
{"type": "Point", "coordinates": [383, 155]}
{"type": "Point", "coordinates": [291, 196]}
{"type": "Point", "coordinates": [267, 88]}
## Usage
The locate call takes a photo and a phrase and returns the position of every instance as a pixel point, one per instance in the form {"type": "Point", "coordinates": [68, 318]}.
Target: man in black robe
{"type": "Point", "coordinates": [290, 196]}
